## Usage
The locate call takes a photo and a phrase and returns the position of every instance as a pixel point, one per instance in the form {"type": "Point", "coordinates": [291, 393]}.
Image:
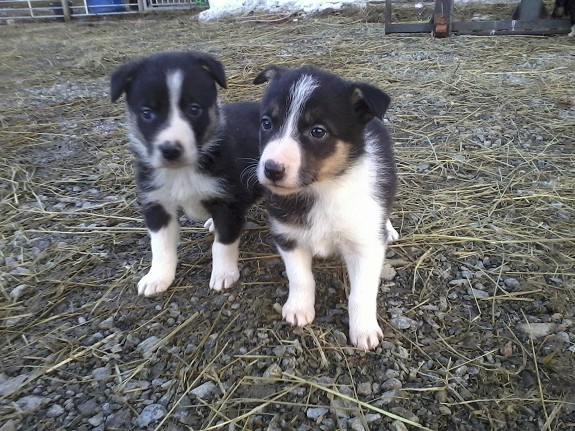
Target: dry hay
{"type": "Point", "coordinates": [484, 143]}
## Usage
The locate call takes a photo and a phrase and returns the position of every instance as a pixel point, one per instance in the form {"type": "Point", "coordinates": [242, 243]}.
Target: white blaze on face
{"type": "Point", "coordinates": [285, 149]}
{"type": "Point", "coordinates": [177, 129]}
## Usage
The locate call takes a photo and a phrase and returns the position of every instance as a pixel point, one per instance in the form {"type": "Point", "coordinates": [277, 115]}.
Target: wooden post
{"type": "Point", "coordinates": [66, 10]}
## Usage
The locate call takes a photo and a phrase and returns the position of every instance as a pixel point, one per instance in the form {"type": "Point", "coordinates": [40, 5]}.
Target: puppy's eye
{"type": "Point", "coordinates": [318, 132]}
{"type": "Point", "coordinates": [194, 110]}
{"type": "Point", "coordinates": [147, 114]}
{"type": "Point", "coordinates": [266, 123]}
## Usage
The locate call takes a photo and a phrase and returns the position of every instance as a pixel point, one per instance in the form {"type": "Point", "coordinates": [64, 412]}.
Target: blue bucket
{"type": "Point", "coordinates": [105, 6]}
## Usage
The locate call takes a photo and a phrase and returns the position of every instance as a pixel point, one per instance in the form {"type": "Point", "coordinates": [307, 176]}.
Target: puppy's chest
{"type": "Point", "coordinates": [337, 219]}
{"type": "Point", "coordinates": [186, 189]}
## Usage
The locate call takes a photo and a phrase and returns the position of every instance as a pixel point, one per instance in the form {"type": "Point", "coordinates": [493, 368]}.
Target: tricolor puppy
{"type": "Point", "coordinates": [191, 154]}
{"type": "Point", "coordinates": [327, 162]}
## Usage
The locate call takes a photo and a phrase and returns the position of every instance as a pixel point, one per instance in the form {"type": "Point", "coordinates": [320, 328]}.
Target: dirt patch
{"type": "Point", "coordinates": [478, 319]}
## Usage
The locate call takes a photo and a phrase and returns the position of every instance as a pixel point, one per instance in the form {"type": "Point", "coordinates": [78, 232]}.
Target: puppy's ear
{"type": "Point", "coordinates": [215, 68]}
{"type": "Point", "coordinates": [267, 74]}
{"type": "Point", "coordinates": [121, 78]}
{"type": "Point", "coordinates": [368, 101]}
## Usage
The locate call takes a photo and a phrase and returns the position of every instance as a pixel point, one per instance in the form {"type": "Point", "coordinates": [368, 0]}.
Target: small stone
{"type": "Point", "coordinates": [107, 324]}
{"type": "Point", "coordinates": [356, 425]}
{"type": "Point", "coordinates": [391, 384]}
{"type": "Point", "coordinates": [458, 282]}
{"type": "Point", "coordinates": [364, 388]}
{"type": "Point", "coordinates": [340, 338]}
{"type": "Point", "coordinates": [388, 397]}
{"type": "Point", "coordinates": [511, 282]}
{"type": "Point", "coordinates": [403, 322]}
{"type": "Point", "coordinates": [461, 371]}
{"type": "Point", "coordinates": [96, 420]}
{"type": "Point", "coordinates": [18, 291]}
{"type": "Point", "coordinates": [314, 413]}
{"type": "Point", "coordinates": [12, 385]}
{"type": "Point", "coordinates": [274, 371]}
{"type": "Point", "coordinates": [372, 417]}
{"type": "Point", "coordinates": [150, 414]}
{"type": "Point", "coordinates": [441, 396]}
{"type": "Point", "coordinates": [398, 426]}
{"type": "Point", "coordinates": [148, 346]}
{"type": "Point", "coordinates": [54, 411]}
{"type": "Point", "coordinates": [31, 403]}
{"type": "Point", "coordinates": [476, 293]}
{"type": "Point", "coordinates": [204, 390]}
{"type": "Point", "coordinates": [444, 410]}
{"type": "Point", "coordinates": [119, 419]}
{"type": "Point", "coordinates": [388, 272]}
{"type": "Point", "coordinates": [88, 407]}
{"type": "Point", "coordinates": [536, 330]}
{"type": "Point", "coordinates": [101, 373]}
{"type": "Point", "coordinates": [340, 408]}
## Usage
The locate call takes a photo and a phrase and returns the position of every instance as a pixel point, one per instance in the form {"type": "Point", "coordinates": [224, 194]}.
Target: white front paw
{"type": "Point", "coordinates": [224, 278]}
{"type": "Point", "coordinates": [365, 335]}
{"type": "Point", "coordinates": [154, 282]}
{"type": "Point", "coordinates": [298, 313]}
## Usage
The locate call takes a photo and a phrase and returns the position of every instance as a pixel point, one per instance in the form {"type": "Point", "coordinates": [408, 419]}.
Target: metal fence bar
{"type": "Point", "coordinates": [67, 10]}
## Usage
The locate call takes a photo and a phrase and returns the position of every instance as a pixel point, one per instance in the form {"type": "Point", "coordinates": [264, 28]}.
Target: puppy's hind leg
{"type": "Point", "coordinates": [164, 229]}
{"type": "Point", "coordinates": [390, 233]}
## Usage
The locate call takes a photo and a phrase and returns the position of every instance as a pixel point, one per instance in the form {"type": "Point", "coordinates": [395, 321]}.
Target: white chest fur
{"type": "Point", "coordinates": [345, 215]}
{"type": "Point", "coordinates": [185, 188]}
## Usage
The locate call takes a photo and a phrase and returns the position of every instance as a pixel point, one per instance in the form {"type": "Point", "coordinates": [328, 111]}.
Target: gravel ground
{"type": "Point", "coordinates": [477, 301]}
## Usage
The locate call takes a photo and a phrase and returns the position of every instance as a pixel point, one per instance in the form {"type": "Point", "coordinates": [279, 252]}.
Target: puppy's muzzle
{"type": "Point", "coordinates": [171, 150]}
{"type": "Point", "coordinates": [274, 171]}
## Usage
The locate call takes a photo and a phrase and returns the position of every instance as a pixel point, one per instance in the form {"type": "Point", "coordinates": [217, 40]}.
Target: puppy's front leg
{"type": "Point", "coordinates": [225, 271]}
{"type": "Point", "coordinates": [164, 229]}
{"type": "Point", "coordinates": [299, 310]}
{"type": "Point", "coordinates": [364, 265]}
{"type": "Point", "coordinates": [226, 224]}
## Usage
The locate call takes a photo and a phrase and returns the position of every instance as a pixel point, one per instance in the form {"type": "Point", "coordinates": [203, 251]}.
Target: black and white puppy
{"type": "Point", "coordinates": [565, 8]}
{"type": "Point", "coordinates": [191, 155]}
{"type": "Point", "coordinates": [327, 162]}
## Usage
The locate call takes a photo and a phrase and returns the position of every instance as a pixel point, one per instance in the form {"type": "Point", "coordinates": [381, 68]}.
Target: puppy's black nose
{"type": "Point", "coordinates": [171, 150]}
{"type": "Point", "coordinates": [274, 171]}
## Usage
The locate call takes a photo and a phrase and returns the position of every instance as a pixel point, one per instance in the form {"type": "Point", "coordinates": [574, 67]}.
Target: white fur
{"type": "Point", "coordinates": [225, 270]}
{"type": "Point", "coordinates": [178, 129]}
{"type": "Point", "coordinates": [285, 149]}
{"type": "Point", "coordinates": [184, 187]}
{"type": "Point", "coordinates": [300, 92]}
{"type": "Point", "coordinates": [299, 309]}
{"type": "Point", "coordinates": [572, 33]}
{"type": "Point", "coordinates": [364, 265]}
{"type": "Point", "coordinates": [164, 260]}
{"type": "Point", "coordinates": [392, 234]}
{"type": "Point", "coordinates": [345, 213]}
{"type": "Point", "coordinates": [209, 225]}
